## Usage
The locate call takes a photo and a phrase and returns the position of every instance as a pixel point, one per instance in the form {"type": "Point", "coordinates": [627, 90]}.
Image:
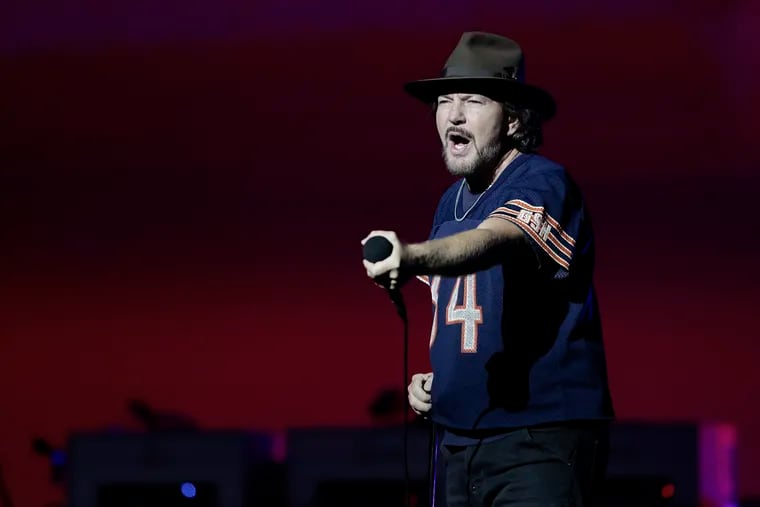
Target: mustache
{"type": "Point", "coordinates": [459, 131]}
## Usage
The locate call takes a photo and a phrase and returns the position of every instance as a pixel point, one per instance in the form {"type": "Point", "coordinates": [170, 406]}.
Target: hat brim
{"type": "Point", "coordinates": [514, 92]}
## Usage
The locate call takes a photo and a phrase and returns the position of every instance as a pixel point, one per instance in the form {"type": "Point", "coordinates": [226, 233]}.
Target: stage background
{"type": "Point", "coordinates": [185, 186]}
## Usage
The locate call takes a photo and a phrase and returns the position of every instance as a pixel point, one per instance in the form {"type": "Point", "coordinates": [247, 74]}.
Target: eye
{"type": "Point", "coordinates": [475, 101]}
{"type": "Point", "coordinates": [443, 100]}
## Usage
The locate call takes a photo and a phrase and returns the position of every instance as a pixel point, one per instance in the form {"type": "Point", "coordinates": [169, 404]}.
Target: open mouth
{"type": "Point", "coordinates": [458, 143]}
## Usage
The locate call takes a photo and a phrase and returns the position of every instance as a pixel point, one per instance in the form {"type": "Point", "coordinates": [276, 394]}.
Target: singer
{"type": "Point", "coordinates": [519, 382]}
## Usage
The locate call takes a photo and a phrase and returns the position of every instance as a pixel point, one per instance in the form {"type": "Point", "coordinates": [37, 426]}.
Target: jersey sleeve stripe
{"type": "Point", "coordinates": [540, 209]}
{"type": "Point", "coordinates": [550, 237]}
{"type": "Point", "coordinates": [424, 279]}
{"type": "Point", "coordinates": [526, 227]}
{"type": "Point", "coordinates": [562, 248]}
{"type": "Point", "coordinates": [532, 219]}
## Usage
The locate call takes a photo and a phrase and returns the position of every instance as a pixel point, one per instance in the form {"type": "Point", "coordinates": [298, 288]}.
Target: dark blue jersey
{"type": "Point", "coordinates": [516, 344]}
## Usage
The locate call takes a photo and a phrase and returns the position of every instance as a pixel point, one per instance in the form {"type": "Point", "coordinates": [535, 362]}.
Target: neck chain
{"type": "Point", "coordinates": [459, 195]}
{"type": "Point", "coordinates": [506, 163]}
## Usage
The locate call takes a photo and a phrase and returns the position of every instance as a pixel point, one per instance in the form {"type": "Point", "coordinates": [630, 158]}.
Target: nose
{"type": "Point", "coordinates": [456, 113]}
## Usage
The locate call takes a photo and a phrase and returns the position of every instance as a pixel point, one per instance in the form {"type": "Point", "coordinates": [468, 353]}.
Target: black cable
{"type": "Point", "coordinates": [407, 492]}
{"type": "Point", "coordinates": [376, 249]}
{"type": "Point", "coordinates": [432, 462]}
{"type": "Point", "coordinates": [433, 437]}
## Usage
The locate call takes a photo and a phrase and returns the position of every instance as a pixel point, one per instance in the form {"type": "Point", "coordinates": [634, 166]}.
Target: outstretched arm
{"type": "Point", "coordinates": [493, 241]}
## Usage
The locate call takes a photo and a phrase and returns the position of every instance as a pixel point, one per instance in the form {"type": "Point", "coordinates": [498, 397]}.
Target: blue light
{"type": "Point", "coordinates": [188, 490]}
{"type": "Point", "coordinates": [58, 458]}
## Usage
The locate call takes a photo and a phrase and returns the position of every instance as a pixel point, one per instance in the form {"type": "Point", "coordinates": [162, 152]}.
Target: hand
{"type": "Point", "coordinates": [391, 265]}
{"type": "Point", "coordinates": [419, 393]}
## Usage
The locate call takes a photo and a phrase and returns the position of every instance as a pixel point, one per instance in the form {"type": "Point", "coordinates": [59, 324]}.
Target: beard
{"type": "Point", "coordinates": [481, 160]}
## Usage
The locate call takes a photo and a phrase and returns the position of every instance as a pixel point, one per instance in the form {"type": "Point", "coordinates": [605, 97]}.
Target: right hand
{"type": "Point", "coordinates": [419, 393]}
{"type": "Point", "coordinates": [391, 265]}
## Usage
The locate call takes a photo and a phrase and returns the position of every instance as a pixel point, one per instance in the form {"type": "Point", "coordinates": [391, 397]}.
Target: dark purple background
{"type": "Point", "coordinates": [184, 188]}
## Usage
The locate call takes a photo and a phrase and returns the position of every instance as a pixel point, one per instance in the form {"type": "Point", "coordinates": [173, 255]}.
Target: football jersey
{"type": "Point", "coordinates": [510, 345]}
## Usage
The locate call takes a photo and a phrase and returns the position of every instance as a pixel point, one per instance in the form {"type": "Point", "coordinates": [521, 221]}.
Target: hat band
{"type": "Point", "coordinates": [510, 73]}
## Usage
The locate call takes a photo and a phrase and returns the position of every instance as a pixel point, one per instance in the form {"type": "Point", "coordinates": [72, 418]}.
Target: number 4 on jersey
{"type": "Point", "coordinates": [467, 314]}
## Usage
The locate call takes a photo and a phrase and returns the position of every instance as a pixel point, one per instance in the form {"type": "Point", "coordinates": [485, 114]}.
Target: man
{"type": "Point", "coordinates": [519, 381]}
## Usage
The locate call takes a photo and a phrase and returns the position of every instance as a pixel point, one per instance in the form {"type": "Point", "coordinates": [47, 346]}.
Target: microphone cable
{"type": "Point", "coordinates": [407, 489]}
{"type": "Point", "coordinates": [376, 249]}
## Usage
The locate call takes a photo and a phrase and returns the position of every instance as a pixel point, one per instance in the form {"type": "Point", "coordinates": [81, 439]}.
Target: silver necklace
{"type": "Point", "coordinates": [459, 195]}
{"type": "Point", "coordinates": [509, 160]}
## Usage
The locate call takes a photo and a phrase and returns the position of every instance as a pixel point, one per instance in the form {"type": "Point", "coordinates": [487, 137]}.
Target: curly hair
{"type": "Point", "coordinates": [529, 135]}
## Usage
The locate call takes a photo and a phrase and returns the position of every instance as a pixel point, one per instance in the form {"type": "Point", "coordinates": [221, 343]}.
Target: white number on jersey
{"type": "Point", "coordinates": [468, 314]}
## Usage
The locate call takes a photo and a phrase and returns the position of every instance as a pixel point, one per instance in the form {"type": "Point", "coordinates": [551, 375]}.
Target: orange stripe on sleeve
{"type": "Point", "coordinates": [543, 244]}
{"type": "Point", "coordinates": [540, 209]}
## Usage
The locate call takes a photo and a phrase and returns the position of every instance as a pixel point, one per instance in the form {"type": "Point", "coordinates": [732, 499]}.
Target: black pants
{"type": "Point", "coordinates": [548, 466]}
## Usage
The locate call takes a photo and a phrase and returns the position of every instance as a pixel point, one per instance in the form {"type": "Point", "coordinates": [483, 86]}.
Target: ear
{"type": "Point", "coordinates": [512, 124]}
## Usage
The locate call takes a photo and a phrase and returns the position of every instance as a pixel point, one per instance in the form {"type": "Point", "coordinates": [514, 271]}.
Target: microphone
{"type": "Point", "coordinates": [376, 249]}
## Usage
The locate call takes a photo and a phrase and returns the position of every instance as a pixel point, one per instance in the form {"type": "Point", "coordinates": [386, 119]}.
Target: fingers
{"type": "Point", "coordinates": [428, 384]}
{"type": "Point", "coordinates": [388, 267]}
{"type": "Point", "coordinates": [375, 269]}
{"type": "Point", "coordinates": [390, 235]}
{"type": "Point", "coordinates": [419, 392]}
{"type": "Point", "coordinates": [419, 407]}
{"type": "Point", "coordinates": [416, 388]}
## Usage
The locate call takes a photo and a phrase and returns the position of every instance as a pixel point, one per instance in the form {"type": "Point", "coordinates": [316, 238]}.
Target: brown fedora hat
{"type": "Point", "coordinates": [486, 64]}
